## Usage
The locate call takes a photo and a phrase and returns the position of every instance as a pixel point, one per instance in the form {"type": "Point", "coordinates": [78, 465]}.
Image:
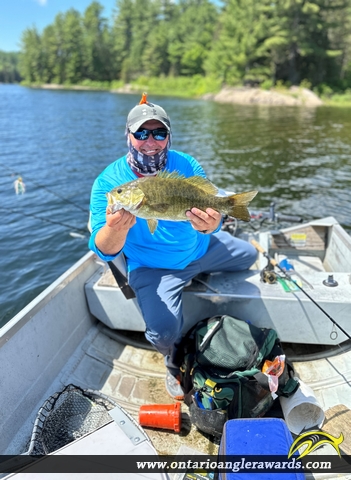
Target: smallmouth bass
{"type": "Point", "coordinates": [168, 195]}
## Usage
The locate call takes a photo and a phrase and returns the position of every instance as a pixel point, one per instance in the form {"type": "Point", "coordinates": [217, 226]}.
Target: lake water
{"type": "Point", "coordinates": [59, 141]}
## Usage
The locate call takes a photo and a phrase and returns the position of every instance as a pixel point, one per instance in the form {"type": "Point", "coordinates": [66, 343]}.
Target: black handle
{"type": "Point", "coordinates": [288, 218]}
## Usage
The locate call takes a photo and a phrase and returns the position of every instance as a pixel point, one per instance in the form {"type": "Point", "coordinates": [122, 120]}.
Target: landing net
{"type": "Point", "coordinates": [67, 416]}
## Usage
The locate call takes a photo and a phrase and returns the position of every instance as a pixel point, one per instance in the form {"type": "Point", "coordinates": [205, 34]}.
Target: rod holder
{"type": "Point", "coordinates": [330, 282]}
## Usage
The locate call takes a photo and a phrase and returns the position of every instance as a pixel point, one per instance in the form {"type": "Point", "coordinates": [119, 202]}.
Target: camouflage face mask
{"type": "Point", "coordinates": [146, 164]}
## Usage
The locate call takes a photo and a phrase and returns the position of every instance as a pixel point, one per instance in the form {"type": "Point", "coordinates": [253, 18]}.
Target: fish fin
{"type": "Point", "coordinates": [152, 224]}
{"type": "Point", "coordinates": [200, 182]}
{"type": "Point", "coordinates": [239, 203]}
{"type": "Point", "coordinates": [159, 207]}
{"type": "Point", "coordinates": [203, 184]}
{"type": "Point", "coordinates": [167, 174]}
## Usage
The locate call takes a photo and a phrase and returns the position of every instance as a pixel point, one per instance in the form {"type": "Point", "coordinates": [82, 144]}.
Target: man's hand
{"type": "Point", "coordinates": [111, 238]}
{"type": "Point", "coordinates": [205, 222]}
{"type": "Point", "coordinates": [120, 220]}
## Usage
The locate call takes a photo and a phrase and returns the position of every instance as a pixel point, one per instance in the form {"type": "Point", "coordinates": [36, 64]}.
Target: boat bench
{"type": "Point", "coordinates": [243, 294]}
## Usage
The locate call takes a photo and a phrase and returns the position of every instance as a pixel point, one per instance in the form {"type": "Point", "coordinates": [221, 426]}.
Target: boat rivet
{"type": "Point", "coordinates": [136, 439]}
{"type": "Point", "coordinates": [122, 422]}
{"type": "Point", "coordinates": [330, 282]}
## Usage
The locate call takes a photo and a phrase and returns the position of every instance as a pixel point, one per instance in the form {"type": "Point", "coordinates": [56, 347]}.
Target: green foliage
{"type": "Point", "coordinates": [324, 90]}
{"type": "Point", "coordinates": [305, 83]}
{"type": "Point", "coordinates": [9, 72]}
{"type": "Point", "coordinates": [97, 44]}
{"type": "Point", "coordinates": [336, 99]}
{"type": "Point", "coordinates": [180, 86]}
{"type": "Point", "coordinates": [191, 34]}
{"type": "Point", "coordinates": [266, 84]}
{"type": "Point", "coordinates": [31, 58]}
{"type": "Point", "coordinates": [239, 46]}
{"type": "Point", "coordinates": [194, 45]}
{"type": "Point", "coordinates": [96, 84]}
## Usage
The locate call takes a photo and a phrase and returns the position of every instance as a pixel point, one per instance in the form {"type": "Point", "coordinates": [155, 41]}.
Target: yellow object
{"type": "Point", "coordinates": [210, 383]}
{"type": "Point", "coordinates": [298, 239]}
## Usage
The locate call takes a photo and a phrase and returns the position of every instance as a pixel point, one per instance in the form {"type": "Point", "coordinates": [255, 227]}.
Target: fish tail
{"type": "Point", "coordinates": [238, 205]}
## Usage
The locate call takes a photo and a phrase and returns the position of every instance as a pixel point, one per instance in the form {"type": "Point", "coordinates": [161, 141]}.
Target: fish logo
{"type": "Point", "coordinates": [313, 440]}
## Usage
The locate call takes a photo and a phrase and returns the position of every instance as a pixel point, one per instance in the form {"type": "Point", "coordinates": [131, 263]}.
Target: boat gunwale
{"type": "Point", "coordinates": [39, 302]}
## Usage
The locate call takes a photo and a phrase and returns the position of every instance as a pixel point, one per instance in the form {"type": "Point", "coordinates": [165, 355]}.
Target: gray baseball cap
{"type": "Point", "coordinates": [146, 111]}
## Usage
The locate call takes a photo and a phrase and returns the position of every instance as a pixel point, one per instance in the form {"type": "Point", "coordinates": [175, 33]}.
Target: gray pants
{"type": "Point", "coordinates": [159, 291]}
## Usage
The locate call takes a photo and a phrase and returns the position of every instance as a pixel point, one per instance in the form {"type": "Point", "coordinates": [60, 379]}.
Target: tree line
{"type": "Point", "coordinates": [259, 42]}
{"type": "Point", "coordinates": [9, 72]}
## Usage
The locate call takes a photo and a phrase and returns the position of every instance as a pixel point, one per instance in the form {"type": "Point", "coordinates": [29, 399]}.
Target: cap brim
{"type": "Point", "coordinates": [133, 128]}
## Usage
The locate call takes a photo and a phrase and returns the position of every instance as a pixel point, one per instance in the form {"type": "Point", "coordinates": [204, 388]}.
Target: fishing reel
{"type": "Point", "coordinates": [268, 274]}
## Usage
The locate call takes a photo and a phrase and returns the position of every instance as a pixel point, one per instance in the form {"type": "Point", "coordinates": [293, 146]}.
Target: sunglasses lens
{"type": "Point", "coordinates": [141, 134]}
{"type": "Point", "coordinates": [160, 134]}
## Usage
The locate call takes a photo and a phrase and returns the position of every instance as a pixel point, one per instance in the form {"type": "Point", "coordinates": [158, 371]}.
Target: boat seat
{"type": "Point", "coordinates": [118, 267]}
{"type": "Point", "coordinates": [303, 263]}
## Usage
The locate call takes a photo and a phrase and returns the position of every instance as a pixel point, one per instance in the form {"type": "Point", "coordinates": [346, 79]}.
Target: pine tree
{"type": "Point", "coordinates": [191, 36]}
{"type": "Point", "coordinates": [31, 58]}
{"type": "Point", "coordinates": [9, 72]}
{"type": "Point", "coordinates": [155, 58]}
{"type": "Point", "coordinates": [301, 47]}
{"type": "Point", "coordinates": [98, 65]}
{"type": "Point", "coordinates": [122, 37]}
{"type": "Point", "coordinates": [73, 47]}
{"type": "Point", "coordinates": [239, 52]}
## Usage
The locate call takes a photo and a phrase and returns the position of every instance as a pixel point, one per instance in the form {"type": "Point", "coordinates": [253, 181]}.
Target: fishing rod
{"type": "Point", "coordinates": [48, 190]}
{"type": "Point", "coordinates": [43, 219]}
{"type": "Point", "coordinates": [276, 264]}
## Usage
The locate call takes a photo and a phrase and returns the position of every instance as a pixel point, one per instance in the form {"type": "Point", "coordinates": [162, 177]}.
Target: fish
{"type": "Point", "coordinates": [169, 195]}
{"type": "Point", "coordinates": [314, 440]}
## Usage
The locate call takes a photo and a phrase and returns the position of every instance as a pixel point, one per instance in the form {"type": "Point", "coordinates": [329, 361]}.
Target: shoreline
{"type": "Point", "coordinates": [294, 96]}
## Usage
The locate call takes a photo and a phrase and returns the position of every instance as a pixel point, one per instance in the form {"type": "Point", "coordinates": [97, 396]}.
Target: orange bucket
{"type": "Point", "coordinates": [161, 416]}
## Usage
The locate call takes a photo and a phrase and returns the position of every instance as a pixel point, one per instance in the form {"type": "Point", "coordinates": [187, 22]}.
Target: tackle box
{"type": "Point", "coordinates": [253, 439]}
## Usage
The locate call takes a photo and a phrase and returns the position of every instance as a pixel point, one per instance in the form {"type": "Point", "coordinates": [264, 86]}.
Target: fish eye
{"type": "Point", "coordinates": [119, 190]}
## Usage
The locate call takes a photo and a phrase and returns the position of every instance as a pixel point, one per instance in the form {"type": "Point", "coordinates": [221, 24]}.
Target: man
{"type": "Point", "coordinates": [160, 265]}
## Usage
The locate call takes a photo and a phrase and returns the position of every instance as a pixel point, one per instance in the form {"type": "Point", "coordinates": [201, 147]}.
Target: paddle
{"type": "Point", "coordinates": [276, 264]}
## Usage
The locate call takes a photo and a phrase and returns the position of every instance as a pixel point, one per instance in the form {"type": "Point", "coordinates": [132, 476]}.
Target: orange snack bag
{"type": "Point", "coordinates": [273, 370]}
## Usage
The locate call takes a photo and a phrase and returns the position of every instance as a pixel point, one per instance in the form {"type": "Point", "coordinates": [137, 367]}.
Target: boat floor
{"type": "Point", "coordinates": [134, 376]}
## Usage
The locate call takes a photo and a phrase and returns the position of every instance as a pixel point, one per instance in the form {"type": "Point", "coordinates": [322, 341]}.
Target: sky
{"type": "Point", "coordinates": [17, 15]}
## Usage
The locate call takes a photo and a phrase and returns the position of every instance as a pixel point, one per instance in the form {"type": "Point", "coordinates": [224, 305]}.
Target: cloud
{"type": "Point", "coordinates": [41, 2]}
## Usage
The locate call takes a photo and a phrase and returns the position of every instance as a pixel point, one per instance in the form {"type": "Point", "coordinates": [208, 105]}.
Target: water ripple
{"type": "Point", "coordinates": [59, 141]}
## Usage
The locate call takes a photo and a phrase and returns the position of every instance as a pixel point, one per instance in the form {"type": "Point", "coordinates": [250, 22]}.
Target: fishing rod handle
{"type": "Point", "coordinates": [261, 250]}
{"type": "Point", "coordinates": [288, 218]}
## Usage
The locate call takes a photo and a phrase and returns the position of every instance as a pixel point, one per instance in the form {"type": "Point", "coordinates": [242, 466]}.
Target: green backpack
{"type": "Point", "coordinates": [221, 372]}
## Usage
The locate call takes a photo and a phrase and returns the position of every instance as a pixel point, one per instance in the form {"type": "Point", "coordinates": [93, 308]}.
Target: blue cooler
{"type": "Point", "coordinates": [260, 437]}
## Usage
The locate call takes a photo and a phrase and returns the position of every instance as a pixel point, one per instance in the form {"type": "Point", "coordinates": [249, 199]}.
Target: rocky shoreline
{"type": "Point", "coordinates": [294, 96]}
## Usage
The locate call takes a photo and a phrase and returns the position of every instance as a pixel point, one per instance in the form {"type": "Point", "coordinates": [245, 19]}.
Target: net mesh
{"type": "Point", "coordinates": [67, 416]}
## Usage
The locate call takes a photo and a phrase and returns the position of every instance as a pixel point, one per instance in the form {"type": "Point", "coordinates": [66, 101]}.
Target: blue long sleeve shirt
{"type": "Point", "coordinates": [173, 245]}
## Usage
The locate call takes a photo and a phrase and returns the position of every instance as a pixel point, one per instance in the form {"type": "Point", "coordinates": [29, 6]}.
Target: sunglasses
{"type": "Point", "coordinates": [157, 133]}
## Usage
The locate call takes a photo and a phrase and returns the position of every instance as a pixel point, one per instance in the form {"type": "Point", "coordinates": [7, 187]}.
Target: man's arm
{"type": "Point", "coordinates": [111, 238]}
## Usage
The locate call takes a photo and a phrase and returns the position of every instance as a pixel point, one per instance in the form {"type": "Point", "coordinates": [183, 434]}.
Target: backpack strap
{"type": "Point", "coordinates": [211, 332]}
